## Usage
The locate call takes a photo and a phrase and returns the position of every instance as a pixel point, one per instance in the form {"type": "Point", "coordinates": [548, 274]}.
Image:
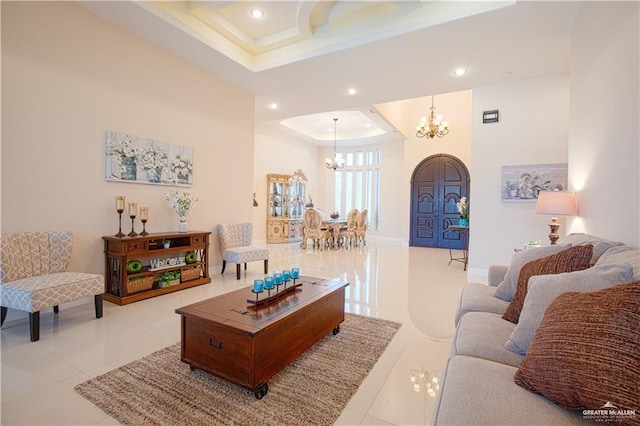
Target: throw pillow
{"type": "Point", "coordinates": [507, 288]}
{"type": "Point", "coordinates": [544, 288]}
{"type": "Point", "coordinates": [572, 259]}
{"type": "Point", "coordinates": [622, 254]}
{"type": "Point", "coordinates": [600, 245]}
{"type": "Point", "coordinates": [586, 352]}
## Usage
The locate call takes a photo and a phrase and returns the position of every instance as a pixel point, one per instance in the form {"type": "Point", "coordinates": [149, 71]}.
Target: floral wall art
{"type": "Point", "coordinates": [524, 182]}
{"type": "Point", "coordinates": [136, 159]}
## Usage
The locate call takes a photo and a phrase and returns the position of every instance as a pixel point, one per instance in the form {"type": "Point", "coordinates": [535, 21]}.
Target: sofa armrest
{"type": "Point", "coordinates": [496, 274]}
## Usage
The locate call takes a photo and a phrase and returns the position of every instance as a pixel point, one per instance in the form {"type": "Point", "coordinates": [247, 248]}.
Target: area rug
{"type": "Point", "coordinates": [159, 389]}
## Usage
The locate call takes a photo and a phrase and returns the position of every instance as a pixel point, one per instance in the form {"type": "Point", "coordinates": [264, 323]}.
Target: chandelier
{"type": "Point", "coordinates": [434, 127]}
{"type": "Point", "coordinates": [335, 163]}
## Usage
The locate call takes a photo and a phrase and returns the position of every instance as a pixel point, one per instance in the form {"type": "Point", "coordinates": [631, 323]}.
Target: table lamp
{"type": "Point", "coordinates": [556, 203]}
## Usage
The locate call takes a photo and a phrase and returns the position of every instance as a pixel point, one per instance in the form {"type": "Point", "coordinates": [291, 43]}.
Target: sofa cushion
{"type": "Point", "coordinates": [480, 392]}
{"type": "Point", "coordinates": [572, 259]}
{"type": "Point", "coordinates": [586, 351]}
{"type": "Point", "coordinates": [482, 335]}
{"type": "Point", "coordinates": [477, 297]}
{"type": "Point", "coordinates": [544, 288]}
{"type": "Point", "coordinates": [35, 293]}
{"type": "Point", "coordinates": [507, 288]}
{"type": "Point", "coordinates": [622, 254]}
{"type": "Point", "coordinates": [600, 245]}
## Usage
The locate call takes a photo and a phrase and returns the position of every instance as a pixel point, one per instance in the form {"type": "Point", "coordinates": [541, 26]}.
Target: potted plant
{"type": "Point", "coordinates": [463, 210]}
{"type": "Point", "coordinates": [182, 203]}
{"type": "Point", "coordinates": [169, 278]}
{"type": "Point", "coordinates": [166, 243]}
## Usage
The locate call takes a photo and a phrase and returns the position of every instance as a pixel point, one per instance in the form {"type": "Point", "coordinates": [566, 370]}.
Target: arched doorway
{"type": "Point", "coordinates": [437, 184]}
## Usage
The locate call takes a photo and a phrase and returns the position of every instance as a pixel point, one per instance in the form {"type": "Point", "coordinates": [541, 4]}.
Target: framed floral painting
{"type": "Point", "coordinates": [136, 159]}
{"type": "Point", "coordinates": [524, 183]}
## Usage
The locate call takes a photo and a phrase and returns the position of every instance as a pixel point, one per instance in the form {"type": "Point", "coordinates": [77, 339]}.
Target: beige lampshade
{"type": "Point", "coordinates": [556, 203]}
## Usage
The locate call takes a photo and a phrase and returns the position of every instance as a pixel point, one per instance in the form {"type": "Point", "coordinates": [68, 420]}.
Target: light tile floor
{"type": "Point", "coordinates": [411, 285]}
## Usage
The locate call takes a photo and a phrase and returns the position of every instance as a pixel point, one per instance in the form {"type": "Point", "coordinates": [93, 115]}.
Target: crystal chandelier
{"type": "Point", "coordinates": [433, 127]}
{"type": "Point", "coordinates": [335, 163]}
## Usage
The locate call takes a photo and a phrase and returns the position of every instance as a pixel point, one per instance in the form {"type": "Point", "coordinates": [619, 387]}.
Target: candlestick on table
{"type": "Point", "coordinates": [120, 210]}
{"type": "Point", "coordinates": [144, 216]}
{"type": "Point", "coordinates": [133, 212]}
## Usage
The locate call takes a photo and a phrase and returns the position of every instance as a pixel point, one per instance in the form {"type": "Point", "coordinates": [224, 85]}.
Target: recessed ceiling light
{"type": "Point", "coordinates": [460, 71]}
{"type": "Point", "coordinates": [274, 105]}
{"type": "Point", "coordinates": [352, 91]}
{"type": "Point", "coordinates": [257, 13]}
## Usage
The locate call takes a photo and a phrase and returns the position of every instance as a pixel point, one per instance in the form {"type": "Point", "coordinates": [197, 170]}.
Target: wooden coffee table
{"type": "Point", "coordinates": [247, 345]}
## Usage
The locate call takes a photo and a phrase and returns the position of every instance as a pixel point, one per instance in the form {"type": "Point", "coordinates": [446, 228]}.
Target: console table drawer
{"type": "Point", "coordinates": [197, 239]}
{"type": "Point", "coordinates": [134, 246]}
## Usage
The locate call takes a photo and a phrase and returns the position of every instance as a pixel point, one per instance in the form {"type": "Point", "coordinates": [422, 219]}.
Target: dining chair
{"type": "Point", "coordinates": [361, 228]}
{"type": "Point", "coordinates": [347, 236]}
{"type": "Point", "coordinates": [312, 229]}
{"type": "Point", "coordinates": [235, 244]}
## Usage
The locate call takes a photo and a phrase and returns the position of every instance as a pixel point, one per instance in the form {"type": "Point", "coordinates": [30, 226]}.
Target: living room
{"type": "Point", "coordinates": [68, 76]}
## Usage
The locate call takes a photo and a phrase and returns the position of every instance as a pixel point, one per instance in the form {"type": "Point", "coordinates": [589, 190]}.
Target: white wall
{"type": "Point", "coordinates": [533, 129]}
{"type": "Point", "coordinates": [604, 134]}
{"type": "Point", "coordinates": [275, 153]}
{"type": "Point", "coordinates": [67, 76]}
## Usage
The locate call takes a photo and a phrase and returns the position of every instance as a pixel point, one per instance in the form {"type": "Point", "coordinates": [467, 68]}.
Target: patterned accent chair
{"type": "Point", "coordinates": [235, 243]}
{"type": "Point", "coordinates": [348, 237]}
{"type": "Point", "coordinates": [312, 228]}
{"type": "Point", "coordinates": [33, 276]}
{"type": "Point", "coordinates": [361, 230]}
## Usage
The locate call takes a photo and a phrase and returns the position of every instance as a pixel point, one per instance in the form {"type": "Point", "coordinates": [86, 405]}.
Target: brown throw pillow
{"type": "Point", "coordinates": [572, 259]}
{"type": "Point", "coordinates": [586, 352]}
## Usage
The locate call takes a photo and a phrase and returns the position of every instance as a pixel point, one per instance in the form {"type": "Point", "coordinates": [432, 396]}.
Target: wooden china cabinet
{"type": "Point", "coordinates": [285, 206]}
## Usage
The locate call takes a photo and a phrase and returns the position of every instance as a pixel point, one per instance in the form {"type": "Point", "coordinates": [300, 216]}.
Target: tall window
{"type": "Point", "coordinates": [357, 186]}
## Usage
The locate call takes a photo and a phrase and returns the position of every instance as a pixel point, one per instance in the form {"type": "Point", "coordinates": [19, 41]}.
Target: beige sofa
{"type": "Point", "coordinates": [477, 386]}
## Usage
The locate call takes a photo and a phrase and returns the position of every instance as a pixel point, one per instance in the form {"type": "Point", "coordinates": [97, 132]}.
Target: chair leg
{"type": "Point", "coordinates": [266, 266]}
{"type": "Point", "coordinates": [3, 315]}
{"type": "Point", "coordinates": [224, 265]}
{"type": "Point", "coordinates": [245, 266]}
{"type": "Point", "coordinates": [238, 271]}
{"type": "Point", "coordinates": [34, 326]}
{"type": "Point", "coordinates": [56, 309]}
{"type": "Point", "coordinates": [97, 301]}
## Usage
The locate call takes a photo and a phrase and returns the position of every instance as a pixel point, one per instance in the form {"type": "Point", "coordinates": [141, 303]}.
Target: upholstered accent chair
{"type": "Point", "coordinates": [33, 276]}
{"type": "Point", "coordinates": [312, 229]}
{"type": "Point", "coordinates": [361, 230]}
{"type": "Point", "coordinates": [347, 237]}
{"type": "Point", "coordinates": [235, 244]}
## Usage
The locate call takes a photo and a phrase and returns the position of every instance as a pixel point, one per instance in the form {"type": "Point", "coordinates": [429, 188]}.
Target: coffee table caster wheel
{"type": "Point", "coordinates": [261, 390]}
{"type": "Point", "coordinates": [336, 330]}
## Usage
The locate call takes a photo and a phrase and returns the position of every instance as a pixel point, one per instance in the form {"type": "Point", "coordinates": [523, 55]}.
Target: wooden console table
{"type": "Point", "coordinates": [123, 286]}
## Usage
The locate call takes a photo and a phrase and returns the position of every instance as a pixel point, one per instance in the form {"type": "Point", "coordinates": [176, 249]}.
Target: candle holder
{"type": "Point", "coordinates": [120, 210]}
{"type": "Point", "coordinates": [268, 284]}
{"type": "Point", "coordinates": [133, 212]}
{"type": "Point", "coordinates": [144, 228]}
{"type": "Point", "coordinates": [144, 216]}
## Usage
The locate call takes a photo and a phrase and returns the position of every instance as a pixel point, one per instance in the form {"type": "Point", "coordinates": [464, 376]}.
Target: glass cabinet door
{"type": "Point", "coordinates": [276, 200]}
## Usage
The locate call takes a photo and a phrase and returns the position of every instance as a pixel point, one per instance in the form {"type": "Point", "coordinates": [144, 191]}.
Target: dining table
{"type": "Point", "coordinates": [334, 225]}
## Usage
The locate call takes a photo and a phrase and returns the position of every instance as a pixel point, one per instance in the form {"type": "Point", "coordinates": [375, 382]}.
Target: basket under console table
{"type": "Point", "coordinates": [186, 259]}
